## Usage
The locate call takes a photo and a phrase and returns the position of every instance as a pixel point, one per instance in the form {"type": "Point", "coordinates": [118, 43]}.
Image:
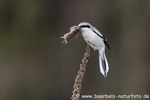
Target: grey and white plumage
{"type": "Point", "coordinates": [97, 41]}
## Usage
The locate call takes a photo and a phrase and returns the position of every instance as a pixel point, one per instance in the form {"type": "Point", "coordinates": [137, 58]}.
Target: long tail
{"type": "Point", "coordinates": [104, 68]}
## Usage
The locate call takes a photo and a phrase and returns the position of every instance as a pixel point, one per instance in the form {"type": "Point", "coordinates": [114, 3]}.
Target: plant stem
{"type": "Point", "coordinates": [79, 78]}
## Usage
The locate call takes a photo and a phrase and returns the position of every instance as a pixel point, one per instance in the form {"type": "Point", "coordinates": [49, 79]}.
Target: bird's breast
{"type": "Point", "coordinates": [93, 39]}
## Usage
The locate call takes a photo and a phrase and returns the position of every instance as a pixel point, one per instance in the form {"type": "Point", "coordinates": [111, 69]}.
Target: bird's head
{"type": "Point", "coordinates": [85, 25]}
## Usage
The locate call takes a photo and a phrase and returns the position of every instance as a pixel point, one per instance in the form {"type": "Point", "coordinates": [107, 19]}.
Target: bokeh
{"type": "Point", "coordinates": [34, 65]}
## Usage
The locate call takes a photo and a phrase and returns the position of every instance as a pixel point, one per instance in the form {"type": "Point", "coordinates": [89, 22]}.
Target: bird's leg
{"type": "Point", "coordinates": [87, 48]}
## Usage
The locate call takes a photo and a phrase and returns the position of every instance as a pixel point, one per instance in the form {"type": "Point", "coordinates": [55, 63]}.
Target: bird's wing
{"type": "Point", "coordinates": [101, 36]}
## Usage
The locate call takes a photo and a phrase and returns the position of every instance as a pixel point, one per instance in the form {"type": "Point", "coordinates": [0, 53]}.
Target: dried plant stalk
{"type": "Point", "coordinates": [74, 31]}
{"type": "Point", "coordinates": [79, 78]}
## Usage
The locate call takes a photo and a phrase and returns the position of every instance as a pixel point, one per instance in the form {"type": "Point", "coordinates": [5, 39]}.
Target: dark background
{"type": "Point", "coordinates": [34, 65]}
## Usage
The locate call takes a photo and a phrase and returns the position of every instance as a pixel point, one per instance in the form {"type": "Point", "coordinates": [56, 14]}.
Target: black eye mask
{"type": "Point", "coordinates": [85, 26]}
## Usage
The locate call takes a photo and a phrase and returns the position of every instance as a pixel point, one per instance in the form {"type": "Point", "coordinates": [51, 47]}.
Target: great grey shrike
{"type": "Point", "coordinates": [97, 41]}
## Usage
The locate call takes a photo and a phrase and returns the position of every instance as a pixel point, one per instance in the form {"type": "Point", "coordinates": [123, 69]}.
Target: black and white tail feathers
{"type": "Point", "coordinates": [104, 68]}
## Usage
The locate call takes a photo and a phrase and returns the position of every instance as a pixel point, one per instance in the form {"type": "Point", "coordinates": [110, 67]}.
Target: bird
{"type": "Point", "coordinates": [98, 42]}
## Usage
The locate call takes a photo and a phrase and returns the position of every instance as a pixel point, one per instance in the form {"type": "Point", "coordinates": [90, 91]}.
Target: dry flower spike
{"type": "Point", "coordinates": [74, 31]}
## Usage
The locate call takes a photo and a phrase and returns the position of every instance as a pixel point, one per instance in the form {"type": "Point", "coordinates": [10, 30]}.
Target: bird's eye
{"type": "Point", "coordinates": [85, 26]}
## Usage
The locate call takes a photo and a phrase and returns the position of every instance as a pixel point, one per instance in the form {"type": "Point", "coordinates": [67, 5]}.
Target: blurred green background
{"type": "Point", "coordinates": [34, 65]}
